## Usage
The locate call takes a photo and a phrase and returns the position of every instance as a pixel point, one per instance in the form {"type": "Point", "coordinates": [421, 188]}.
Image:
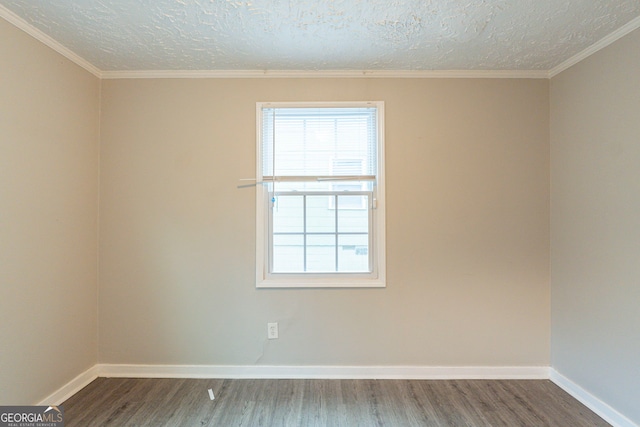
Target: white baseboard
{"type": "Point", "coordinates": [605, 411]}
{"type": "Point", "coordinates": [323, 372]}
{"type": "Point", "coordinates": [293, 372]}
{"type": "Point", "coordinates": [72, 387]}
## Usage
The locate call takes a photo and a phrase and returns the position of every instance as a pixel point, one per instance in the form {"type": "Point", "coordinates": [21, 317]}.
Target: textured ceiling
{"type": "Point", "coordinates": [326, 34]}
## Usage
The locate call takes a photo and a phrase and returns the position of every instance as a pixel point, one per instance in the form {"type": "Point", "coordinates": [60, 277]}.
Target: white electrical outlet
{"type": "Point", "coordinates": [272, 331]}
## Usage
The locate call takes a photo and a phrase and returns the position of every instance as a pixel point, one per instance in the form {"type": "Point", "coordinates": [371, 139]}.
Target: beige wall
{"type": "Point", "coordinates": [467, 228]}
{"type": "Point", "coordinates": [49, 134]}
{"type": "Point", "coordinates": [595, 214]}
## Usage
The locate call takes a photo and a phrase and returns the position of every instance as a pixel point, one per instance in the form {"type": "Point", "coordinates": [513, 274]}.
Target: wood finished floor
{"type": "Point", "coordinates": [397, 403]}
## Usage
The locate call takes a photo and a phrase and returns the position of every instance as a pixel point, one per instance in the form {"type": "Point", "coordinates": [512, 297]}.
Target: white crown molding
{"type": "Point", "coordinates": [72, 387]}
{"type": "Point", "coordinates": [17, 21]}
{"type": "Point", "coordinates": [308, 74]}
{"type": "Point", "coordinates": [632, 25]}
{"type": "Point", "coordinates": [323, 372]}
{"type": "Point", "coordinates": [603, 410]}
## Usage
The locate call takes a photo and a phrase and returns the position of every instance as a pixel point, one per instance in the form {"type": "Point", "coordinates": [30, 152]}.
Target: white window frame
{"type": "Point", "coordinates": [375, 279]}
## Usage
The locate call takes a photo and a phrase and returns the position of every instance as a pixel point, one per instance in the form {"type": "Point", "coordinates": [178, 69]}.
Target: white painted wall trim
{"type": "Point", "coordinates": [48, 41]}
{"type": "Point", "coordinates": [71, 388]}
{"type": "Point", "coordinates": [601, 44]}
{"type": "Point", "coordinates": [323, 372]}
{"type": "Point", "coordinates": [305, 74]}
{"type": "Point", "coordinates": [605, 411]}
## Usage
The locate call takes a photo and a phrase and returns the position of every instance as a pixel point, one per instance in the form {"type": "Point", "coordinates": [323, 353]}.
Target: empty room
{"type": "Point", "coordinates": [347, 213]}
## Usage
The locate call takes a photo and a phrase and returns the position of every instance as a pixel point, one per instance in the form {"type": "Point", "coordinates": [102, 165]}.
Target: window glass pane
{"type": "Point", "coordinates": [350, 186]}
{"type": "Point", "coordinates": [288, 214]}
{"type": "Point", "coordinates": [288, 253]}
{"type": "Point", "coordinates": [353, 253]}
{"type": "Point", "coordinates": [320, 218]}
{"type": "Point", "coordinates": [353, 214]}
{"type": "Point", "coordinates": [357, 201]}
{"type": "Point", "coordinates": [321, 253]}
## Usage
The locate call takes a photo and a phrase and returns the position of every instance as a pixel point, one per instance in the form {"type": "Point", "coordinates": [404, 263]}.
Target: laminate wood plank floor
{"type": "Point", "coordinates": [304, 402]}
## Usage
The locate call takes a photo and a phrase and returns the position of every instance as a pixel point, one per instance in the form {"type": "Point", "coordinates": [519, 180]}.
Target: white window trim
{"type": "Point", "coordinates": [376, 279]}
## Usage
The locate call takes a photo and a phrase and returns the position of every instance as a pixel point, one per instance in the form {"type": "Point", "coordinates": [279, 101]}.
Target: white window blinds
{"type": "Point", "coordinates": [319, 143]}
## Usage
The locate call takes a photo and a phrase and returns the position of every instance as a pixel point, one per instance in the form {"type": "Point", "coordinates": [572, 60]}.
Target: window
{"type": "Point", "coordinates": [320, 198]}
